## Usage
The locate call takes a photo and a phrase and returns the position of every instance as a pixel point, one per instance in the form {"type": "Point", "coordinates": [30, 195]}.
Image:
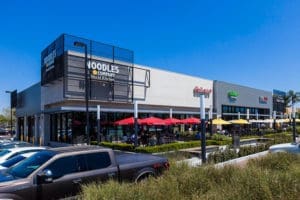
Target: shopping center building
{"type": "Point", "coordinates": [54, 110]}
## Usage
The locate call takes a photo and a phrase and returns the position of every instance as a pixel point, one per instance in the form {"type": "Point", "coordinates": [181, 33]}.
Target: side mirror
{"type": "Point", "coordinates": [45, 176]}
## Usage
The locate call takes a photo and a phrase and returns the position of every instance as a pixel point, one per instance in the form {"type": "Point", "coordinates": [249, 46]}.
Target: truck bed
{"type": "Point", "coordinates": [123, 158]}
{"type": "Point", "coordinates": [133, 166]}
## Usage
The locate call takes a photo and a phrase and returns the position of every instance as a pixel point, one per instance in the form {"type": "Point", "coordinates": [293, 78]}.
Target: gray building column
{"type": "Point", "coordinates": [36, 129]}
{"type": "Point", "coordinates": [25, 129]}
{"type": "Point", "coordinates": [44, 129]}
{"type": "Point", "coordinates": [16, 128]}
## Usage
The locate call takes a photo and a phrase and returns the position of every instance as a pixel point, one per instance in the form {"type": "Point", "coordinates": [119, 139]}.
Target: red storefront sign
{"type": "Point", "coordinates": [201, 91]}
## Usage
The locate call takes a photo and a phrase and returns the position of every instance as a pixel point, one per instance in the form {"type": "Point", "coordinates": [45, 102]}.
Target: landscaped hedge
{"type": "Point", "coordinates": [277, 138]}
{"type": "Point", "coordinates": [220, 137]}
{"type": "Point", "coordinates": [160, 148]}
{"type": "Point", "coordinates": [275, 176]}
{"type": "Point", "coordinates": [116, 146]}
{"type": "Point", "coordinates": [228, 153]}
{"type": "Point", "coordinates": [168, 147]}
{"type": "Point", "coordinates": [219, 140]}
{"type": "Point", "coordinates": [248, 150]}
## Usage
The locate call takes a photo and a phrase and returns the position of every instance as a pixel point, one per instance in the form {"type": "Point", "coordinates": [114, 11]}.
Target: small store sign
{"type": "Point", "coordinates": [263, 99]}
{"type": "Point", "coordinates": [201, 91]}
{"type": "Point", "coordinates": [232, 95]}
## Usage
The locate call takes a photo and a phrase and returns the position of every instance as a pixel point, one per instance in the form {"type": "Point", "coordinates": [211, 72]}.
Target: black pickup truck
{"type": "Point", "coordinates": [59, 172]}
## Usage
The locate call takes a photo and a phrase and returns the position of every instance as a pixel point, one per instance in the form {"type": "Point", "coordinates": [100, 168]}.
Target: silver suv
{"type": "Point", "coordinates": [287, 147]}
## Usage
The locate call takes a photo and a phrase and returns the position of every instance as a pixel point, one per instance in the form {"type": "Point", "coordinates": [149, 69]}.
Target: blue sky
{"type": "Point", "coordinates": [253, 43]}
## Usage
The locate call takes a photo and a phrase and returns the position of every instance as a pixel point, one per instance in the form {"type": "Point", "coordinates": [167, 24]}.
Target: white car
{"type": "Point", "coordinates": [286, 147]}
{"type": "Point", "coordinates": [14, 160]}
{"type": "Point", "coordinates": [6, 154]}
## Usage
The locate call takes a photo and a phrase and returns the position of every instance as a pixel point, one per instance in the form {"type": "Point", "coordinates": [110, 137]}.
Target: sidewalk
{"type": "Point", "coordinates": [196, 161]}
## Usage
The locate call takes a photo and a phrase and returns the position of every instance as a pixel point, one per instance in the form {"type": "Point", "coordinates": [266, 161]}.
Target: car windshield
{"type": "Point", "coordinates": [12, 161]}
{"type": "Point", "coordinates": [27, 166]}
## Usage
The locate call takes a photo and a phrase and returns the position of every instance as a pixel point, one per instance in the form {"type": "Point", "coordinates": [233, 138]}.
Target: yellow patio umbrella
{"type": "Point", "coordinates": [291, 120]}
{"type": "Point", "coordinates": [239, 121]}
{"type": "Point", "coordinates": [220, 121]}
{"type": "Point", "coordinates": [286, 120]}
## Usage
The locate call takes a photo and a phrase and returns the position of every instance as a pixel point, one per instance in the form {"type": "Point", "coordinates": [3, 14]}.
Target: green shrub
{"type": "Point", "coordinates": [220, 137]}
{"type": "Point", "coordinates": [278, 138]}
{"type": "Point", "coordinates": [160, 148]}
{"type": "Point", "coordinates": [168, 147]}
{"type": "Point", "coordinates": [229, 153]}
{"type": "Point", "coordinates": [118, 146]}
{"type": "Point", "coordinates": [277, 161]}
{"type": "Point", "coordinates": [258, 180]}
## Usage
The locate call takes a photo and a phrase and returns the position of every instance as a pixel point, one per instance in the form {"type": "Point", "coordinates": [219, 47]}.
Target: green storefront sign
{"type": "Point", "coordinates": [233, 94]}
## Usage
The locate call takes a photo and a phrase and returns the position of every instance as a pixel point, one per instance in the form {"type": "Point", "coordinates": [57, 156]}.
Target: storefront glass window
{"type": "Point", "coordinates": [58, 126]}
{"type": "Point", "coordinates": [53, 129]}
{"type": "Point", "coordinates": [69, 127]}
{"type": "Point", "coordinates": [21, 128]}
{"type": "Point", "coordinates": [63, 127]}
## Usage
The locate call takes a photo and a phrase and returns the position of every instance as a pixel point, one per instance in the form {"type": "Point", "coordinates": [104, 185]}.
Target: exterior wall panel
{"type": "Point", "coordinates": [52, 93]}
{"type": "Point", "coordinates": [173, 89]}
{"type": "Point", "coordinates": [247, 97]}
{"type": "Point", "coordinates": [31, 101]}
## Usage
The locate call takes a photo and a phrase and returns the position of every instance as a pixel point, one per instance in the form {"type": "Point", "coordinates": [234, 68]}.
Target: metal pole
{"type": "Point", "coordinates": [274, 120]}
{"type": "Point", "coordinates": [87, 131]}
{"type": "Point", "coordinates": [294, 122]}
{"type": "Point", "coordinates": [248, 114]}
{"type": "Point", "coordinates": [98, 125]}
{"type": "Point", "coordinates": [203, 139]}
{"type": "Point", "coordinates": [135, 124]}
{"type": "Point", "coordinates": [210, 117]}
{"type": "Point", "coordinates": [11, 125]}
{"type": "Point", "coordinates": [87, 86]}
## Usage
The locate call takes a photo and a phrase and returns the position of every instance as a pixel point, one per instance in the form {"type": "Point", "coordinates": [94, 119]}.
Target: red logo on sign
{"type": "Point", "coordinates": [201, 90]}
{"type": "Point", "coordinates": [263, 99]}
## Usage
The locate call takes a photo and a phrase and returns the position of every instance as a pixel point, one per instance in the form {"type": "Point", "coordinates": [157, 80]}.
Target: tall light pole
{"type": "Point", "coordinates": [210, 117]}
{"type": "Point", "coordinates": [274, 119]}
{"type": "Point", "coordinates": [202, 93]}
{"type": "Point", "coordinates": [11, 125]}
{"type": "Point", "coordinates": [87, 128]}
{"type": "Point", "coordinates": [294, 122]}
{"type": "Point", "coordinates": [98, 125]}
{"type": "Point", "coordinates": [202, 123]}
{"type": "Point", "coordinates": [135, 123]}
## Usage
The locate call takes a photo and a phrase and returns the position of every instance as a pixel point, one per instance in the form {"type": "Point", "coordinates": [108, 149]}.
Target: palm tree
{"type": "Point", "coordinates": [292, 98]}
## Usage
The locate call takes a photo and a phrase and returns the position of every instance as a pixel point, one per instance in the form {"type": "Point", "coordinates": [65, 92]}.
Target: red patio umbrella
{"type": "Point", "coordinates": [152, 121]}
{"type": "Point", "coordinates": [126, 121]}
{"type": "Point", "coordinates": [171, 121]}
{"type": "Point", "coordinates": [191, 120]}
